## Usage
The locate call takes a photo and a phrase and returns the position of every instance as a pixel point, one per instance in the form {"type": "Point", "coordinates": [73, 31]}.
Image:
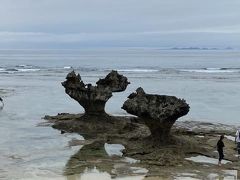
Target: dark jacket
{"type": "Point", "coordinates": [220, 145]}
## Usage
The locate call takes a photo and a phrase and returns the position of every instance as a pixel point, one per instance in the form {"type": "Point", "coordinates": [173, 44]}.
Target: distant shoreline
{"type": "Point", "coordinates": [190, 48]}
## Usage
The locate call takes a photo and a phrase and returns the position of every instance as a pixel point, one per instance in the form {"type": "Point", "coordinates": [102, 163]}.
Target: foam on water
{"type": "Point", "coordinates": [20, 69]}
{"type": "Point", "coordinates": [24, 66]}
{"type": "Point", "coordinates": [138, 70]}
{"type": "Point", "coordinates": [212, 70]}
{"type": "Point", "coordinates": [67, 67]}
{"type": "Point", "coordinates": [28, 70]}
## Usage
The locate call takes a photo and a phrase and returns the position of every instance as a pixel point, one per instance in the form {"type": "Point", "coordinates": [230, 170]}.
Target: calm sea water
{"type": "Point", "coordinates": [30, 83]}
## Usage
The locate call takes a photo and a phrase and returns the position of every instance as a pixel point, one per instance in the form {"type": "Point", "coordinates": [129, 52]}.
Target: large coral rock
{"type": "Point", "coordinates": [115, 81]}
{"type": "Point", "coordinates": [94, 98]}
{"type": "Point", "coordinates": [159, 112]}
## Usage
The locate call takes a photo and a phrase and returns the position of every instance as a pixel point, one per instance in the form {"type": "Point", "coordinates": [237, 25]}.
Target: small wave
{"type": "Point", "coordinates": [87, 69]}
{"type": "Point", "coordinates": [67, 67]}
{"type": "Point", "coordinates": [28, 70]}
{"type": "Point", "coordinates": [212, 70]}
{"type": "Point", "coordinates": [24, 66]}
{"type": "Point", "coordinates": [5, 71]}
{"type": "Point", "coordinates": [137, 70]}
{"type": "Point", "coordinates": [11, 70]}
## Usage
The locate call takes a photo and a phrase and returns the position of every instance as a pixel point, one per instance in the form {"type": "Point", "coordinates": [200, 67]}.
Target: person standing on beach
{"type": "Point", "coordinates": [237, 141]}
{"type": "Point", "coordinates": [220, 146]}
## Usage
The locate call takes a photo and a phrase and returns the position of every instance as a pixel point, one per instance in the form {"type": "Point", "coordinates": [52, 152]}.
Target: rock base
{"type": "Point", "coordinates": [188, 139]}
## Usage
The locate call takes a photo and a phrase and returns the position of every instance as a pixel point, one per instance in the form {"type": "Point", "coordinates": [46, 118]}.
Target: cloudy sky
{"type": "Point", "coordinates": [119, 23]}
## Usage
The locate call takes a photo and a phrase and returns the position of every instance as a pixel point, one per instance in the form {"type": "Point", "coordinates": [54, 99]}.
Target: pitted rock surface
{"type": "Point", "coordinates": [115, 81]}
{"type": "Point", "coordinates": [93, 98]}
{"type": "Point", "coordinates": [159, 112]}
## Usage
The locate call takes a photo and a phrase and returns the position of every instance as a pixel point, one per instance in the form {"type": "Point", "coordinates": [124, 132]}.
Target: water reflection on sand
{"type": "Point", "coordinates": [222, 175]}
{"type": "Point", "coordinates": [104, 161]}
{"type": "Point", "coordinates": [96, 174]}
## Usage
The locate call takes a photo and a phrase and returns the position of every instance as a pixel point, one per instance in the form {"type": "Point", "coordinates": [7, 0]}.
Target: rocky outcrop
{"type": "Point", "coordinates": [192, 139]}
{"type": "Point", "coordinates": [93, 98]}
{"type": "Point", "coordinates": [115, 81]}
{"type": "Point", "coordinates": [159, 112]}
{"type": "Point", "coordinates": [156, 117]}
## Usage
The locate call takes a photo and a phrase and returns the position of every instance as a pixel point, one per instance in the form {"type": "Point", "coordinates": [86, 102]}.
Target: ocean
{"type": "Point", "coordinates": [30, 84]}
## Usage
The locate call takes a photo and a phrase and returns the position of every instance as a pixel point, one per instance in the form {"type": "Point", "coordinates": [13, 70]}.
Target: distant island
{"type": "Point", "coordinates": [201, 48]}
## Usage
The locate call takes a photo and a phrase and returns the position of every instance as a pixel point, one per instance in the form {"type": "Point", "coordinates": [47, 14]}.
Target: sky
{"type": "Point", "coordinates": [119, 23]}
